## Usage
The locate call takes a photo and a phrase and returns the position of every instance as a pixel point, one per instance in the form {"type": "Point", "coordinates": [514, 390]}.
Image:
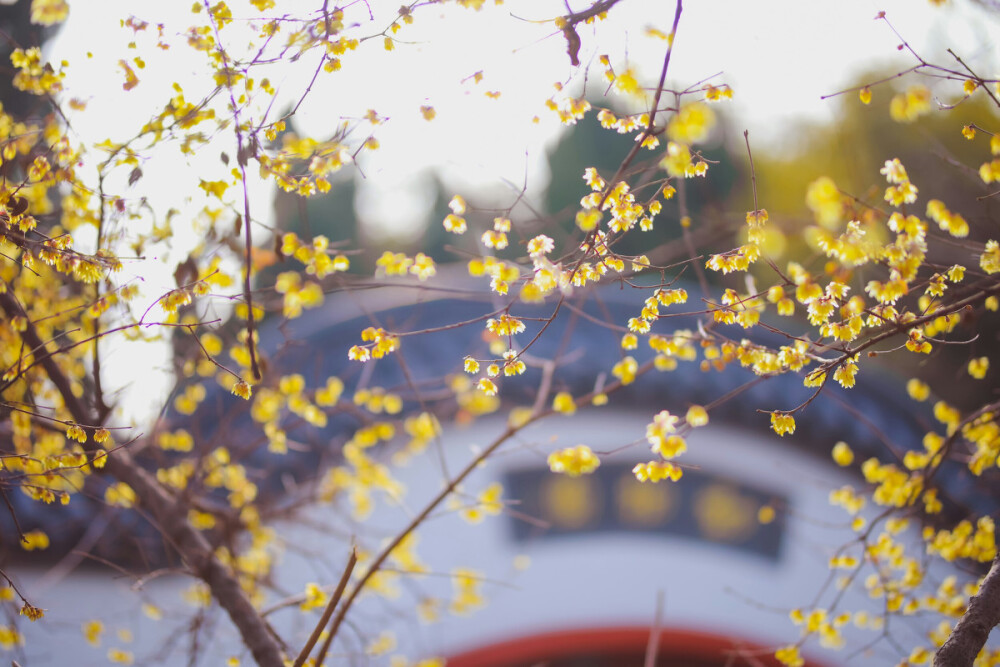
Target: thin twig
{"type": "Point", "coordinates": [653, 645]}
{"type": "Point", "coordinates": [352, 560]}
{"type": "Point", "coordinates": [248, 240]}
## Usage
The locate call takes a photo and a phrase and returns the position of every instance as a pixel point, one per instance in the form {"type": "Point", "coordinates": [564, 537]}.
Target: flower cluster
{"type": "Point", "coordinates": [574, 461]}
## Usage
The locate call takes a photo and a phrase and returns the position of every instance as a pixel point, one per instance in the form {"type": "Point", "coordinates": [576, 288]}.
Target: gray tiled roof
{"type": "Point", "coordinates": [316, 346]}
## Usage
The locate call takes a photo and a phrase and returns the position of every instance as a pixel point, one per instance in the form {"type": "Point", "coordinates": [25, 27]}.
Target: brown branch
{"type": "Point", "coordinates": [248, 240]}
{"type": "Point", "coordinates": [168, 516]}
{"type": "Point", "coordinates": [327, 613]}
{"type": "Point", "coordinates": [896, 328]}
{"type": "Point", "coordinates": [756, 206]}
{"type": "Point", "coordinates": [653, 645]}
{"type": "Point", "coordinates": [969, 635]}
{"type": "Point", "coordinates": [650, 128]}
{"type": "Point", "coordinates": [420, 517]}
{"type": "Point", "coordinates": [975, 77]}
{"type": "Point", "coordinates": [648, 131]}
{"type": "Point", "coordinates": [13, 515]}
{"type": "Point", "coordinates": [592, 11]}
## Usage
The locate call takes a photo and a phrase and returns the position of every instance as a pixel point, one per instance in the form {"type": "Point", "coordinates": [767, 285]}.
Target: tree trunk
{"type": "Point", "coordinates": [972, 630]}
{"type": "Point", "coordinates": [169, 516]}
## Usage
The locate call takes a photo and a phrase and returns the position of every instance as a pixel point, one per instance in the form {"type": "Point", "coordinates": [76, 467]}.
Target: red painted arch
{"type": "Point", "coordinates": [620, 646]}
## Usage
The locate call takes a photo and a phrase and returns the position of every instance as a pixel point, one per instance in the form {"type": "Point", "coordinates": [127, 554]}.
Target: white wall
{"type": "Point", "coordinates": [590, 579]}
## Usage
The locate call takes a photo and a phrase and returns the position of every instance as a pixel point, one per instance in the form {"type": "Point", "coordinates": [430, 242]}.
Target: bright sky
{"type": "Point", "coordinates": [779, 56]}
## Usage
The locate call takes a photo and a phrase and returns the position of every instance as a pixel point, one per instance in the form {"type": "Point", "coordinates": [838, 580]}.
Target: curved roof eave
{"type": "Point", "coordinates": [584, 341]}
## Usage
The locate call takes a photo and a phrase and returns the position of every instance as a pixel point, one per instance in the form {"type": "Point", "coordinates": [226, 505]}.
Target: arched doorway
{"type": "Point", "coordinates": [618, 647]}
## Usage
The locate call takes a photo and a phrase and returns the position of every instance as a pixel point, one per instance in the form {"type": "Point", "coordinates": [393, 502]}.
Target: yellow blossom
{"type": "Point", "coordinates": [842, 454]}
{"type": "Point", "coordinates": [75, 432]}
{"type": "Point", "coordinates": [918, 391]}
{"type": "Point", "coordinates": [587, 220]}
{"type": "Point", "coordinates": [574, 461]}
{"type": "Point", "coordinates": [990, 259]}
{"type": "Point", "coordinates": [978, 367]}
{"type": "Point", "coordinates": [457, 205]}
{"type": "Point", "coordinates": [655, 471]}
{"type": "Point", "coordinates": [35, 540]}
{"type": "Point", "coordinates": [120, 494]}
{"type": "Point", "coordinates": [716, 94]}
{"type": "Point", "coordinates": [789, 656]}
{"type": "Point", "coordinates": [118, 656]}
{"type": "Point", "coordinates": [782, 423]}
{"type": "Point", "coordinates": [49, 12]}
{"type": "Point", "coordinates": [825, 200]}
{"type": "Point", "coordinates": [906, 107]}
{"type": "Point", "coordinates": [691, 123]}
{"type": "Point", "coordinates": [563, 402]}
{"type": "Point", "coordinates": [92, 631]}
{"type": "Point", "coordinates": [677, 160]}
{"type": "Point", "coordinates": [314, 597]}
{"type": "Point", "coordinates": [505, 325]}
{"type": "Point", "coordinates": [455, 224]}
{"type": "Point", "coordinates": [846, 373]}
{"type": "Point", "coordinates": [696, 416]}
{"type": "Point", "coordinates": [625, 370]}
{"type": "Point", "coordinates": [241, 389]}
{"type": "Point", "coordinates": [152, 612]}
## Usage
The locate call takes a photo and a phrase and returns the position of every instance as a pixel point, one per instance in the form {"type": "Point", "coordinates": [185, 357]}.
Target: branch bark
{"type": "Point", "coordinates": [169, 516]}
{"type": "Point", "coordinates": [972, 630]}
